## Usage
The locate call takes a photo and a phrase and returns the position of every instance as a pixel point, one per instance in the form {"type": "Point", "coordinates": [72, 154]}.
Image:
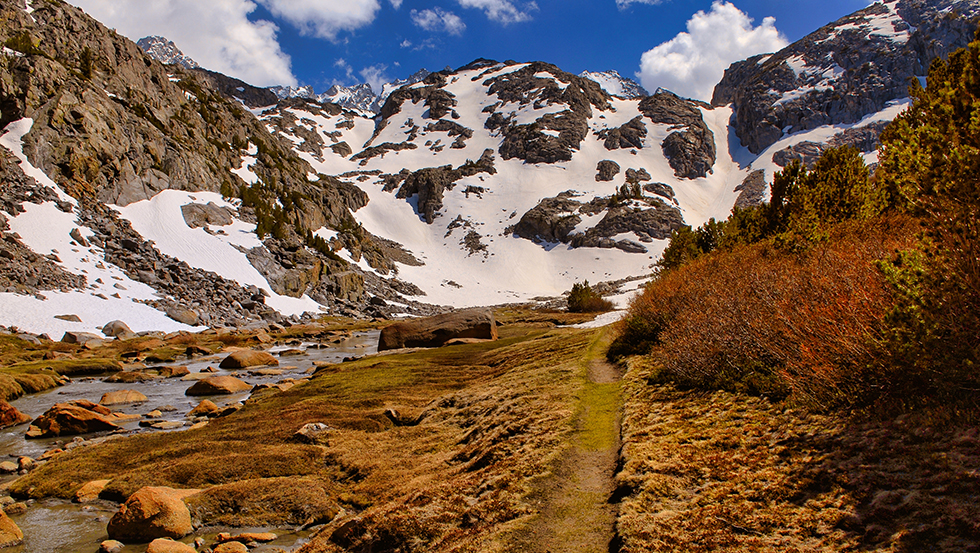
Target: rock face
{"type": "Point", "coordinates": [606, 170]}
{"type": "Point", "coordinates": [69, 419]}
{"type": "Point", "coordinates": [10, 416]}
{"type": "Point", "coordinates": [554, 220]}
{"type": "Point", "coordinates": [843, 71]}
{"type": "Point", "coordinates": [691, 151]}
{"type": "Point", "coordinates": [630, 135]}
{"type": "Point", "coordinates": [151, 513]}
{"type": "Point", "coordinates": [218, 385]}
{"type": "Point", "coordinates": [431, 183]}
{"type": "Point", "coordinates": [751, 190]}
{"type": "Point", "coordinates": [248, 358]}
{"type": "Point", "coordinates": [435, 331]}
{"type": "Point", "coordinates": [864, 139]}
{"type": "Point", "coordinates": [10, 534]}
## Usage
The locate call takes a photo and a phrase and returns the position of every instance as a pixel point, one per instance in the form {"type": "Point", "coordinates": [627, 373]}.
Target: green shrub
{"type": "Point", "coordinates": [583, 299]}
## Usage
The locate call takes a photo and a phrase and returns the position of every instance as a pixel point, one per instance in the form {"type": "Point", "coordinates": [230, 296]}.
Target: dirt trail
{"type": "Point", "coordinates": [576, 515]}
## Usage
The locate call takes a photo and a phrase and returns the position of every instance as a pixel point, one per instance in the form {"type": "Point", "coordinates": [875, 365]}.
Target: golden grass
{"type": "Point", "coordinates": [715, 471]}
{"type": "Point", "coordinates": [491, 418]}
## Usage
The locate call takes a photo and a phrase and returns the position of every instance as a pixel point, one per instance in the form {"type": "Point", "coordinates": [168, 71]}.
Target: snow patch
{"type": "Point", "coordinates": [160, 219]}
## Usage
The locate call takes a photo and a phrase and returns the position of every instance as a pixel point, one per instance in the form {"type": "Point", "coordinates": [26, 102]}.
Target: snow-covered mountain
{"type": "Point", "coordinates": [615, 84]}
{"type": "Point", "coordinates": [491, 183]}
{"type": "Point", "coordinates": [165, 51]}
{"type": "Point", "coordinates": [359, 97]}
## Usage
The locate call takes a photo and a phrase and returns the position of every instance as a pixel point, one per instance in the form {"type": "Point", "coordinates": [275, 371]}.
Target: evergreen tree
{"type": "Point", "coordinates": [930, 163]}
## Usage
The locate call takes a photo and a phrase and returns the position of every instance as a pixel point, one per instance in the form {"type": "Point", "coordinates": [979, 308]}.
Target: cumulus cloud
{"type": "Point", "coordinates": [437, 20]}
{"type": "Point", "coordinates": [324, 19]}
{"type": "Point", "coordinates": [691, 63]}
{"type": "Point", "coordinates": [502, 11]}
{"type": "Point", "coordinates": [376, 77]}
{"type": "Point", "coordinates": [216, 33]}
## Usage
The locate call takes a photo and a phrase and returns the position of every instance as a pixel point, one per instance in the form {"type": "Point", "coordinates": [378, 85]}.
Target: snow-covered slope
{"type": "Point", "coordinates": [503, 267]}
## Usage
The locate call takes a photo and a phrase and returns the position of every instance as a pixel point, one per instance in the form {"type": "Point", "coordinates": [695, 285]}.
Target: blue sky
{"type": "Point", "coordinates": [323, 42]}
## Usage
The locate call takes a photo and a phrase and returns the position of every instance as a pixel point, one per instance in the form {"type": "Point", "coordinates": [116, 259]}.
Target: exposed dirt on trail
{"type": "Point", "coordinates": [576, 514]}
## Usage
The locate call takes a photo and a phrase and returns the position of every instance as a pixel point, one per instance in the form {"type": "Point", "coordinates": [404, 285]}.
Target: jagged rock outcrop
{"type": "Point", "coordinates": [606, 170]}
{"type": "Point", "coordinates": [430, 183]}
{"type": "Point", "coordinates": [550, 221]}
{"type": "Point", "coordinates": [166, 52]}
{"type": "Point", "coordinates": [751, 190]}
{"type": "Point", "coordinates": [865, 139]}
{"type": "Point", "coordinates": [844, 70]}
{"type": "Point", "coordinates": [555, 220]}
{"type": "Point", "coordinates": [630, 135]}
{"type": "Point", "coordinates": [537, 142]}
{"type": "Point", "coordinates": [691, 152]}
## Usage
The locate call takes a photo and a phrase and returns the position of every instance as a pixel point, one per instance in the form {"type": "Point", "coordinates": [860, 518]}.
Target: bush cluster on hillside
{"type": "Point", "coordinates": [583, 299]}
{"type": "Point", "coordinates": [847, 290]}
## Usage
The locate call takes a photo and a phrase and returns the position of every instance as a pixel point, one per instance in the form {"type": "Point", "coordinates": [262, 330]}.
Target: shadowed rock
{"type": "Point", "coordinates": [435, 331]}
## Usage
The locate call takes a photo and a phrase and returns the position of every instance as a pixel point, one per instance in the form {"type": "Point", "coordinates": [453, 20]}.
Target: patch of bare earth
{"type": "Point", "coordinates": [714, 471]}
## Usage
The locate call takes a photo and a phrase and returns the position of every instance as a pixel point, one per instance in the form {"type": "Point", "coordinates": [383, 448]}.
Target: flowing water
{"type": "Point", "coordinates": [52, 526]}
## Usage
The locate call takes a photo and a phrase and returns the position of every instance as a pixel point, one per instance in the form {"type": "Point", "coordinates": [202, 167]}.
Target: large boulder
{"type": "Point", "coordinates": [122, 397]}
{"type": "Point", "coordinates": [151, 513]}
{"type": "Point", "coordinates": [11, 416]}
{"type": "Point", "coordinates": [82, 338]}
{"type": "Point", "coordinates": [248, 358]}
{"type": "Point", "coordinates": [10, 534]}
{"type": "Point", "coordinates": [436, 331]}
{"type": "Point", "coordinates": [118, 329]}
{"type": "Point", "coordinates": [218, 385]}
{"type": "Point", "coordinates": [72, 418]}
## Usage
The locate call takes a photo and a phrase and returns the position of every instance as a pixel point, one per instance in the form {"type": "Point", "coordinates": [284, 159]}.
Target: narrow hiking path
{"type": "Point", "coordinates": [576, 515]}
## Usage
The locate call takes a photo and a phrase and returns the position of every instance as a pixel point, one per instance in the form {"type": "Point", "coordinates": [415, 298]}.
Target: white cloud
{"type": "Point", "coordinates": [342, 64]}
{"type": "Point", "coordinates": [692, 63]}
{"type": "Point", "coordinates": [502, 11]}
{"type": "Point", "coordinates": [396, 3]}
{"type": "Point", "coordinates": [216, 33]}
{"type": "Point", "coordinates": [436, 20]}
{"type": "Point", "coordinates": [406, 43]}
{"type": "Point", "coordinates": [324, 19]}
{"type": "Point", "coordinates": [623, 4]}
{"type": "Point", "coordinates": [376, 77]}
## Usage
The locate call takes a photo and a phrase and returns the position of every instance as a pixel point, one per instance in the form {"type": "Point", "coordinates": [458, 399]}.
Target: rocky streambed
{"type": "Point", "coordinates": [162, 405]}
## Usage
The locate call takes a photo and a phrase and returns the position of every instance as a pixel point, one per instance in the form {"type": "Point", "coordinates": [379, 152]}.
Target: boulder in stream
{"type": "Point", "coordinates": [72, 418]}
{"type": "Point", "coordinates": [11, 416]}
{"type": "Point", "coordinates": [10, 534]}
{"type": "Point", "coordinates": [166, 545]}
{"type": "Point", "coordinates": [122, 397]}
{"type": "Point", "coordinates": [218, 385]}
{"type": "Point", "coordinates": [151, 513]}
{"type": "Point", "coordinates": [248, 358]}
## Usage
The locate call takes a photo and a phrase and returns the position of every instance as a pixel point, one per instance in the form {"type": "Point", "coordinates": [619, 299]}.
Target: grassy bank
{"type": "Point", "coordinates": [477, 426]}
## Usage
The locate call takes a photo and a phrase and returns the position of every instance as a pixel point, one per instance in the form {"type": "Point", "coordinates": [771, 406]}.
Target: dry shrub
{"type": "Point", "coordinates": [766, 322]}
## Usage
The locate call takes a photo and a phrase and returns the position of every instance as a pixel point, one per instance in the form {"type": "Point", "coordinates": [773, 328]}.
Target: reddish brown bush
{"type": "Point", "coordinates": [763, 321]}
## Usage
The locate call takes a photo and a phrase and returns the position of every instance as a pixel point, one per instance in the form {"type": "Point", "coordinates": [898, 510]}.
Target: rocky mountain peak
{"type": "Point", "coordinates": [845, 70]}
{"type": "Point", "coordinates": [166, 52]}
{"type": "Point", "coordinates": [617, 85]}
